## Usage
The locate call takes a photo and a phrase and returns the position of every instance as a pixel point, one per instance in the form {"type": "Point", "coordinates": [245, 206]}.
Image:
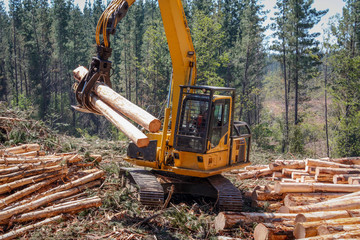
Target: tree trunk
{"type": "Point", "coordinates": [319, 216]}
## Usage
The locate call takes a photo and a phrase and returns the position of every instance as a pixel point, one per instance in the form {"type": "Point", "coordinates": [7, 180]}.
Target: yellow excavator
{"type": "Point", "coordinates": [199, 139]}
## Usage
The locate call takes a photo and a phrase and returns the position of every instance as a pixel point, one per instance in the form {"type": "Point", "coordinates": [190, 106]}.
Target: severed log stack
{"type": "Point", "coordinates": [114, 106]}
{"type": "Point", "coordinates": [311, 199]}
{"type": "Point", "coordinates": [39, 188]}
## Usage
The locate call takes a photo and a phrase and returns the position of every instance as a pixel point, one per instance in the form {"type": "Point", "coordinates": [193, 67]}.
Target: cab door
{"type": "Point", "coordinates": [219, 126]}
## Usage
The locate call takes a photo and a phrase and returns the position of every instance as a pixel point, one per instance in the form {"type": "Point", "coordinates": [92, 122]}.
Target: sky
{"type": "Point", "coordinates": [334, 6]}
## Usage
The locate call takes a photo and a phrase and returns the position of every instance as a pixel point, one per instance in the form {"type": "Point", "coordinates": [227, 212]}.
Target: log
{"type": "Point", "coordinates": [336, 171]}
{"type": "Point", "coordinates": [309, 229]}
{"type": "Point", "coordinates": [256, 167]}
{"type": "Point", "coordinates": [26, 191]}
{"type": "Point", "coordinates": [9, 161]}
{"type": "Point", "coordinates": [288, 171]}
{"type": "Point", "coordinates": [45, 200]}
{"type": "Point", "coordinates": [354, 180]}
{"type": "Point", "coordinates": [25, 167]}
{"type": "Point", "coordinates": [270, 231]}
{"type": "Point", "coordinates": [21, 149]}
{"type": "Point", "coordinates": [324, 178]}
{"type": "Point", "coordinates": [314, 187]}
{"type": "Point", "coordinates": [121, 104]}
{"type": "Point", "coordinates": [254, 174]}
{"type": "Point", "coordinates": [341, 235]}
{"type": "Point", "coordinates": [19, 175]}
{"type": "Point", "coordinates": [295, 175]}
{"type": "Point", "coordinates": [271, 206]}
{"type": "Point", "coordinates": [54, 210]}
{"type": "Point", "coordinates": [343, 178]}
{"type": "Point", "coordinates": [326, 229]}
{"type": "Point", "coordinates": [277, 175]}
{"type": "Point", "coordinates": [300, 199]}
{"type": "Point", "coordinates": [266, 196]}
{"type": "Point", "coordinates": [333, 205]}
{"type": "Point", "coordinates": [318, 216]}
{"type": "Point", "coordinates": [227, 220]}
{"type": "Point", "coordinates": [139, 138]}
{"type": "Point", "coordinates": [278, 166]}
{"type": "Point", "coordinates": [288, 180]}
{"type": "Point", "coordinates": [22, 182]}
{"type": "Point", "coordinates": [348, 161]}
{"type": "Point", "coordinates": [31, 154]}
{"type": "Point", "coordinates": [19, 232]}
{"type": "Point", "coordinates": [328, 164]}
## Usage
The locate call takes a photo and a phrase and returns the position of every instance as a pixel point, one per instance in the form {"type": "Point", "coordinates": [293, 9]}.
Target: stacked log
{"type": "Point", "coordinates": [114, 107]}
{"type": "Point", "coordinates": [311, 199]}
{"type": "Point", "coordinates": [41, 188]}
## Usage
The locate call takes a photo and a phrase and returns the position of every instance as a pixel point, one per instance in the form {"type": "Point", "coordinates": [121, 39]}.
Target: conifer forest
{"type": "Point", "coordinates": [294, 91]}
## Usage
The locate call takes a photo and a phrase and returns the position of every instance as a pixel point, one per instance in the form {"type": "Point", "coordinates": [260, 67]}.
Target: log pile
{"type": "Point", "coordinates": [311, 199]}
{"type": "Point", "coordinates": [38, 189]}
{"type": "Point", "coordinates": [115, 108]}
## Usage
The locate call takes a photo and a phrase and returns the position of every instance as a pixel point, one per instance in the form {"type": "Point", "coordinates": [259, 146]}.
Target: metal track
{"type": "Point", "coordinates": [229, 197]}
{"type": "Point", "coordinates": [150, 190]}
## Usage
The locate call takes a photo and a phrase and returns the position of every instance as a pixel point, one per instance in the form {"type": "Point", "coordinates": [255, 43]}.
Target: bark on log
{"type": "Point", "coordinates": [322, 163]}
{"type": "Point", "coordinates": [349, 160]}
{"type": "Point", "coordinates": [309, 229]}
{"type": "Point", "coordinates": [300, 199]}
{"type": "Point", "coordinates": [61, 208]}
{"type": "Point", "coordinates": [9, 161]}
{"type": "Point", "coordinates": [295, 175]}
{"type": "Point", "coordinates": [333, 205]}
{"type": "Point", "coordinates": [254, 174]}
{"type": "Point", "coordinates": [139, 138]}
{"type": "Point", "coordinates": [288, 171]}
{"type": "Point", "coordinates": [21, 149]}
{"type": "Point", "coordinates": [278, 166]}
{"type": "Point", "coordinates": [325, 229]}
{"type": "Point", "coordinates": [341, 235]}
{"type": "Point", "coordinates": [327, 178]}
{"type": "Point", "coordinates": [288, 180]}
{"type": "Point", "coordinates": [266, 196]}
{"type": "Point", "coordinates": [336, 171]}
{"type": "Point", "coordinates": [314, 187]}
{"type": "Point", "coordinates": [31, 154]}
{"type": "Point", "coordinates": [22, 231]}
{"type": "Point", "coordinates": [227, 220]}
{"type": "Point", "coordinates": [121, 104]}
{"type": "Point", "coordinates": [45, 200]}
{"type": "Point", "coordinates": [271, 206]}
{"type": "Point", "coordinates": [22, 182]}
{"type": "Point", "coordinates": [270, 231]}
{"type": "Point", "coordinates": [256, 167]}
{"type": "Point", "coordinates": [318, 216]}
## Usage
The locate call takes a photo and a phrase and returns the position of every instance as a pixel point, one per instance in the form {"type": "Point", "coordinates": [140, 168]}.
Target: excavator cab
{"type": "Point", "coordinates": [205, 135]}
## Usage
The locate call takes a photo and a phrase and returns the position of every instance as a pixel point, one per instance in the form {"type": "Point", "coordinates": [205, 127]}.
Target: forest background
{"type": "Point", "coordinates": [300, 96]}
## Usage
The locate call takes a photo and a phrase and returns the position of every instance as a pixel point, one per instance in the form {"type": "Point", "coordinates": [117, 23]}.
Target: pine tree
{"type": "Point", "coordinates": [345, 84]}
{"type": "Point", "coordinates": [4, 23]}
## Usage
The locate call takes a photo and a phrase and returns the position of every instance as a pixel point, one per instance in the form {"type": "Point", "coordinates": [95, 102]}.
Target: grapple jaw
{"type": "Point", "coordinates": [99, 71]}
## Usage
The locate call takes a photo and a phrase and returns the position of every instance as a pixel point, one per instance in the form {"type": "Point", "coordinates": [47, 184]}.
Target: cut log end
{"type": "Point", "coordinates": [300, 218]}
{"type": "Point", "coordinates": [299, 231]}
{"type": "Point", "coordinates": [220, 222]}
{"type": "Point", "coordinates": [261, 232]}
{"type": "Point", "coordinates": [284, 209]}
{"type": "Point", "coordinates": [154, 125]}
